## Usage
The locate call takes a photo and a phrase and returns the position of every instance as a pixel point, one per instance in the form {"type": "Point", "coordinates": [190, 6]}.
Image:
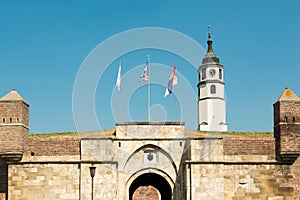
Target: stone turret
{"type": "Point", "coordinates": [287, 126]}
{"type": "Point", "coordinates": [14, 126]}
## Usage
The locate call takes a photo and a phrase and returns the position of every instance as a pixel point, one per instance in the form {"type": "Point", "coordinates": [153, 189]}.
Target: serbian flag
{"type": "Point", "coordinates": [145, 74]}
{"type": "Point", "coordinates": [171, 83]}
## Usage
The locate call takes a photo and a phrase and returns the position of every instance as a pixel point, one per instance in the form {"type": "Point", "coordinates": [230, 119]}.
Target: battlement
{"type": "Point", "coordinates": [287, 126]}
{"type": "Point", "coordinates": [14, 126]}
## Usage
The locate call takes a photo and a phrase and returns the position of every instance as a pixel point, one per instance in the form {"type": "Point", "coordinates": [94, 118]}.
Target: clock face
{"type": "Point", "coordinates": [212, 72]}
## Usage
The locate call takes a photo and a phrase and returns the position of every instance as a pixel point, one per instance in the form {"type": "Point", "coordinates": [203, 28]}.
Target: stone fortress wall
{"type": "Point", "coordinates": [207, 166]}
{"type": "Point", "coordinates": [180, 164]}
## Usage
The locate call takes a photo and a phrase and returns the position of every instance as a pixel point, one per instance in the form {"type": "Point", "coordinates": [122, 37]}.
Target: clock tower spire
{"type": "Point", "coordinates": [211, 92]}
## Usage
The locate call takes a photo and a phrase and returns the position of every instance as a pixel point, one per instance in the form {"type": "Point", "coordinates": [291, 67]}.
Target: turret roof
{"type": "Point", "coordinates": [13, 95]}
{"type": "Point", "coordinates": [288, 95]}
{"type": "Point", "coordinates": [210, 56]}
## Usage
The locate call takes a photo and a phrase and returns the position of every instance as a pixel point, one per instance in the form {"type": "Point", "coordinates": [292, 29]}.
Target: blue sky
{"type": "Point", "coordinates": [43, 44]}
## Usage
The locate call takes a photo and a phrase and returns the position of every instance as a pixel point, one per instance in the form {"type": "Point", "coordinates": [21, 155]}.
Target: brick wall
{"type": "Point", "coordinates": [43, 181]}
{"type": "Point", "coordinates": [106, 182]}
{"type": "Point", "coordinates": [14, 112]}
{"type": "Point", "coordinates": [249, 146]}
{"type": "Point", "coordinates": [3, 180]}
{"type": "Point", "coordinates": [146, 193]}
{"type": "Point", "coordinates": [14, 122]}
{"type": "Point", "coordinates": [296, 173]}
{"type": "Point", "coordinates": [289, 138]}
{"type": "Point", "coordinates": [53, 146]}
{"type": "Point", "coordinates": [286, 111]}
{"type": "Point", "coordinates": [245, 181]}
{"type": "Point", "coordinates": [12, 138]}
{"type": "Point", "coordinates": [287, 127]}
{"type": "Point", "coordinates": [257, 181]}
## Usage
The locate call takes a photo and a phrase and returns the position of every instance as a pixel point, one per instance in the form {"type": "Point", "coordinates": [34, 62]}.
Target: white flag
{"type": "Point", "coordinates": [118, 83]}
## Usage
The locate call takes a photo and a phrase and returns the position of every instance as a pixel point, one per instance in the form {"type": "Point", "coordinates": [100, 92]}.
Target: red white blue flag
{"type": "Point", "coordinates": [171, 83]}
{"type": "Point", "coordinates": [145, 74]}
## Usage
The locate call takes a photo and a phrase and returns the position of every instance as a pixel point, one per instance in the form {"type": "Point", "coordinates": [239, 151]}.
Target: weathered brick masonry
{"type": "Point", "coordinates": [249, 146]}
{"type": "Point", "coordinates": [14, 112]}
{"type": "Point", "coordinates": [14, 124]}
{"type": "Point", "coordinates": [60, 145]}
{"type": "Point", "coordinates": [287, 126]}
{"type": "Point", "coordinates": [296, 173]}
{"type": "Point", "coordinates": [12, 140]}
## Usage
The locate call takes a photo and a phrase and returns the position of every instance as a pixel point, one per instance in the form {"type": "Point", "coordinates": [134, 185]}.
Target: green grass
{"type": "Point", "coordinates": [62, 134]}
{"type": "Point", "coordinates": [53, 134]}
{"type": "Point", "coordinates": [230, 134]}
{"type": "Point", "coordinates": [249, 134]}
{"type": "Point", "coordinates": [190, 133]}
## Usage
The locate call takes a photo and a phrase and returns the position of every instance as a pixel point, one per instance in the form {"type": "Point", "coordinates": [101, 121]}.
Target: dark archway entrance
{"type": "Point", "coordinates": [151, 182]}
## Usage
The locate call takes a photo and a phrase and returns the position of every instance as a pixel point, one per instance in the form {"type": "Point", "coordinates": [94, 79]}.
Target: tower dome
{"type": "Point", "coordinates": [210, 56]}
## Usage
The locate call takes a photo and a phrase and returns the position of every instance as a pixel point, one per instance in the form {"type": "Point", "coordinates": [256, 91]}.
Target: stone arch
{"type": "Point", "coordinates": [165, 184]}
{"type": "Point", "coordinates": [154, 148]}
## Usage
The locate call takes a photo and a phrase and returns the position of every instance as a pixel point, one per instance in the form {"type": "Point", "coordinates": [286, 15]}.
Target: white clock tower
{"type": "Point", "coordinates": [211, 92]}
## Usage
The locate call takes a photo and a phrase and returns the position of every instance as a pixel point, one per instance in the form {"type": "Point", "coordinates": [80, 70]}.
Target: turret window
{"type": "Point", "coordinates": [203, 74]}
{"type": "Point", "coordinates": [213, 89]}
{"type": "Point", "coordinates": [3, 120]}
{"type": "Point", "coordinates": [220, 74]}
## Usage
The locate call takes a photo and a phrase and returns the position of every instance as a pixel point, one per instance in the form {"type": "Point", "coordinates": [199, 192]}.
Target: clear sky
{"type": "Point", "coordinates": [44, 44]}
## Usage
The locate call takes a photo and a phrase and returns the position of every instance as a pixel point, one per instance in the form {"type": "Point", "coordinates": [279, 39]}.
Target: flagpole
{"type": "Point", "coordinates": [175, 106]}
{"type": "Point", "coordinates": [175, 100]}
{"type": "Point", "coordinates": [149, 88]}
{"type": "Point", "coordinates": [121, 104]}
{"type": "Point", "coordinates": [121, 95]}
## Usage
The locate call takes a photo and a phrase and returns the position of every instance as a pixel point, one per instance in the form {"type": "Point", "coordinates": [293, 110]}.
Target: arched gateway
{"type": "Point", "coordinates": [151, 184]}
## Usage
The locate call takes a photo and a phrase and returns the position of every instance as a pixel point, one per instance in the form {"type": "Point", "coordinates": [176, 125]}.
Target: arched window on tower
{"type": "Point", "coordinates": [213, 89]}
{"type": "Point", "coordinates": [220, 74]}
{"type": "Point", "coordinates": [203, 74]}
